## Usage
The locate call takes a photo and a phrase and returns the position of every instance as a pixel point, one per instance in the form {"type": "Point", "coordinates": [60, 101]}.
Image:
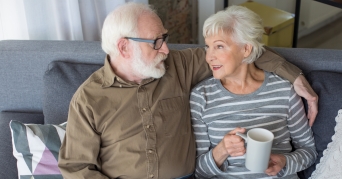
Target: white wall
{"type": "Point", "coordinates": [205, 9]}
{"type": "Point", "coordinates": [209, 7]}
{"type": "Point", "coordinates": [313, 14]}
{"type": "Point", "coordinates": [286, 5]}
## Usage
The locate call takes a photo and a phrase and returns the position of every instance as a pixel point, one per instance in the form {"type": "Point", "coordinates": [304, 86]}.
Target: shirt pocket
{"type": "Point", "coordinates": [173, 114]}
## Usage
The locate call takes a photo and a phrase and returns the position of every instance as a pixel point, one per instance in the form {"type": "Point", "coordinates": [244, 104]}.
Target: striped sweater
{"type": "Point", "coordinates": [274, 106]}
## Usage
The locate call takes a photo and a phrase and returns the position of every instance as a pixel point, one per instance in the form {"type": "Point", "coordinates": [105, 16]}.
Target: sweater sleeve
{"type": "Point", "coordinates": [302, 138]}
{"type": "Point", "coordinates": [205, 164]}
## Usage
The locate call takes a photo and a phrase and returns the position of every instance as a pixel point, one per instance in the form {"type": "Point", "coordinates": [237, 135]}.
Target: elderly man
{"type": "Point", "coordinates": [131, 118]}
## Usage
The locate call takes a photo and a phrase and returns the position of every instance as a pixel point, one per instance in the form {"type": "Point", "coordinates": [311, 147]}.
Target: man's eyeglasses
{"type": "Point", "coordinates": [157, 43]}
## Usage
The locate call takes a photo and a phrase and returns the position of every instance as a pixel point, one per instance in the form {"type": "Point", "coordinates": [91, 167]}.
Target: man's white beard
{"type": "Point", "coordinates": [146, 69]}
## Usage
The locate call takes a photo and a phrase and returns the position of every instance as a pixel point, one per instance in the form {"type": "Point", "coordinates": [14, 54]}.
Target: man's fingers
{"type": "Point", "coordinates": [311, 116]}
{"type": "Point", "coordinates": [312, 111]}
{"type": "Point", "coordinates": [303, 89]}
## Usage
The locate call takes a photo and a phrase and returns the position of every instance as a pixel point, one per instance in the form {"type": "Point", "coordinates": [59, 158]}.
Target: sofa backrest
{"type": "Point", "coordinates": [61, 80]}
{"type": "Point", "coordinates": [29, 73]}
{"type": "Point", "coordinates": [313, 59]}
{"type": "Point", "coordinates": [24, 63]}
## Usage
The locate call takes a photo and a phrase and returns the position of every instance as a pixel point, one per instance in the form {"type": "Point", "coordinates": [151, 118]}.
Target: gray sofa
{"type": "Point", "coordinates": [38, 79]}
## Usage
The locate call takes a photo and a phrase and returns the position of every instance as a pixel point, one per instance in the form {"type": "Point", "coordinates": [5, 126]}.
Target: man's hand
{"type": "Point", "coordinates": [230, 145]}
{"type": "Point", "coordinates": [276, 163]}
{"type": "Point", "coordinates": [303, 89]}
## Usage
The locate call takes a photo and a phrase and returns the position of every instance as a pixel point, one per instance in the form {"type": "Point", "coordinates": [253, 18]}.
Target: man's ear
{"type": "Point", "coordinates": [124, 48]}
{"type": "Point", "coordinates": [247, 50]}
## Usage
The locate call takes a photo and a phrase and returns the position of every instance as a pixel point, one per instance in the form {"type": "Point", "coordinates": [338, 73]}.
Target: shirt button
{"type": "Point", "coordinates": [151, 176]}
{"type": "Point", "coordinates": [150, 151]}
{"type": "Point", "coordinates": [143, 109]}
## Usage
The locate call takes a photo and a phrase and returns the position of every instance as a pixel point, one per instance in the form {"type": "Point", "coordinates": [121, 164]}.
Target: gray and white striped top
{"type": "Point", "coordinates": [274, 106]}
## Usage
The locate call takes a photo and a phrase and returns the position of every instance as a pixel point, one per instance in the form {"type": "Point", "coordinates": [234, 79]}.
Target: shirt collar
{"type": "Point", "coordinates": [108, 74]}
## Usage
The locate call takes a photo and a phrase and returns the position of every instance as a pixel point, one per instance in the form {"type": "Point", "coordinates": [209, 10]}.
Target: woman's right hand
{"type": "Point", "coordinates": [231, 145]}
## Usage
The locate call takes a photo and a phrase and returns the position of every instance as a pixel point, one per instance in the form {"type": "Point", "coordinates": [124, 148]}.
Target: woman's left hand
{"type": "Point", "coordinates": [276, 163]}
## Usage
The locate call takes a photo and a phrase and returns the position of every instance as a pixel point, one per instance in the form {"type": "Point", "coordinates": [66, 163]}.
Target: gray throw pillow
{"type": "Point", "coordinates": [61, 80]}
{"type": "Point", "coordinates": [328, 86]}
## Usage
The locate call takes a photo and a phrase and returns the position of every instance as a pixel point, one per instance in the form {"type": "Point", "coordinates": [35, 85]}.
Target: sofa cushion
{"type": "Point", "coordinates": [328, 87]}
{"type": "Point", "coordinates": [8, 162]}
{"type": "Point", "coordinates": [61, 80]}
{"type": "Point", "coordinates": [36, 148]}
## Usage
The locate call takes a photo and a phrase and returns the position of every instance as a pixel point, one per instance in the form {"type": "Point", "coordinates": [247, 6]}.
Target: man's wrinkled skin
{"type": "Point", "coordinates": [309, 95]}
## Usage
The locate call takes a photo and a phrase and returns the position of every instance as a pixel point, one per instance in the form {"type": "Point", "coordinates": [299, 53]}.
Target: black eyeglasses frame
{"type": "Point", "coordinates": [165, 38]}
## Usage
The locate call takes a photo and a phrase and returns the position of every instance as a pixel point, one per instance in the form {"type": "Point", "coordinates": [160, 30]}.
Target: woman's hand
{"type": "Point", "coordinates": [276, 163]}
{"type": "Point", "coordinates": [230, 145]}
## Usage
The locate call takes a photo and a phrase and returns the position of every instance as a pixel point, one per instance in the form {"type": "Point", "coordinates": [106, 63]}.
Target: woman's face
{"type": "Point", "coordinates": [224, 56]}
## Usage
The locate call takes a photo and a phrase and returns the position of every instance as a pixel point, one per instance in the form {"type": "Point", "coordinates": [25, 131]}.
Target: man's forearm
{"type": "Point", "coordinates": [272, 62]}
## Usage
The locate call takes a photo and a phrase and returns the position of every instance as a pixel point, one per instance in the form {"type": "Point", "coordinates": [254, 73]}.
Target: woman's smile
{"type": "Point", "coordinates": [216, 67]}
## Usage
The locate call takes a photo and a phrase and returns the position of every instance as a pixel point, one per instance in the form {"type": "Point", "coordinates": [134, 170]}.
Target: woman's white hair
{"type": "Point", "coordinates": [244, 26]}
{"type": "Point", "coordinates": [122, 22]}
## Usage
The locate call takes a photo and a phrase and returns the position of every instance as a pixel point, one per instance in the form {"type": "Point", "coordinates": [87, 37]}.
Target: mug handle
{"type": "Point", "coordinates": [244, 136]}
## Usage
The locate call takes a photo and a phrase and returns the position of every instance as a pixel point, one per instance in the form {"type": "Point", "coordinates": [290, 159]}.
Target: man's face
{"type": "Point", "coordinates": [148, 68]}
{"type": "Point", "coordinates": [146, 60]}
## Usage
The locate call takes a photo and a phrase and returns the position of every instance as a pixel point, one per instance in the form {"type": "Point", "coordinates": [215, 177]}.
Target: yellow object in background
{"type": "Point", "coordinates": [278, 24]}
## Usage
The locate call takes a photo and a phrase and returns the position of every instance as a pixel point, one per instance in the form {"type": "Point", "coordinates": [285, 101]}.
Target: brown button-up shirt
{"type": "Point", "coordinates": [118, 129]}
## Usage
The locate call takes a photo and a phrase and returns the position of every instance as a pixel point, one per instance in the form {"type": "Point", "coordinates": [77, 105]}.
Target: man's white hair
{"type": "Point", "coordinates": [243, 25]}
{"type": "Point", "coordinates": [122, 22]}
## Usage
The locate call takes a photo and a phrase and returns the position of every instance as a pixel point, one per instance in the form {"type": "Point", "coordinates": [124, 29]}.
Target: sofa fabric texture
{"type": "Point", "coordinates": [61, 80]}
{"type": "Point", "coordinates": [38, 79]}
{"type": "Point", "coordinates": [328, 86]}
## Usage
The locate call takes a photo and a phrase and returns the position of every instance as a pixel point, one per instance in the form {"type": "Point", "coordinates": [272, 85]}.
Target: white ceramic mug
{"type": "Point", "coordinates": [259, 144]}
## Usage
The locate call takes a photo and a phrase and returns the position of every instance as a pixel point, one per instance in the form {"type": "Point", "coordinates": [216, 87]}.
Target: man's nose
{"type": "Point", "coordinates": [164, 48]}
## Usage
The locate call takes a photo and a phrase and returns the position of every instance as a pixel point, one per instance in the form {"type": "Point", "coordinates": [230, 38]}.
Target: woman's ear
{"type": "Point", "coordinates": [247, 50]}
{"type": "Point", "coordinates": [124, 48]}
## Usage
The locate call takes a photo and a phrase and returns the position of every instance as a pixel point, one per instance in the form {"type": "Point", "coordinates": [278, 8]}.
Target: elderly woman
{"type": "Point", "coordinates": [240, 97]}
